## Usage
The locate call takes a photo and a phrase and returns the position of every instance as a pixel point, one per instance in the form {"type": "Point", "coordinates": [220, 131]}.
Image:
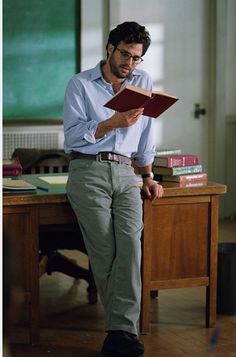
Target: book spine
{"type": "Point", "coordinates": [180, 161]}
{"type": "Point", "coordinates": [193, 184]}
{"type": "Point", "coordinates": [168, 152]}
{"type": "Point", "coordinates": [12, 171]}
{"type": "Point", "coordinates": [186, 170]}
{"type": "Point", "coordinates": [193, 177]}
{"type": "Point", "coordinates": [186, 178]}
{"type": "Point", "coordinates": [176, 171]}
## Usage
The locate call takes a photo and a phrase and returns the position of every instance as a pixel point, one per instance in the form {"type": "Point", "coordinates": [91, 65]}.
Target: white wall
{"type": "Point", "coordinates": [91, 33]}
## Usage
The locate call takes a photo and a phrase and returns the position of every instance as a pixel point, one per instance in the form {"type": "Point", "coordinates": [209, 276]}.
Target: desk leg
{"type": "Point", "coordinates": [213, 249]}
{"type": "Point", "coordinates": [34, 277]}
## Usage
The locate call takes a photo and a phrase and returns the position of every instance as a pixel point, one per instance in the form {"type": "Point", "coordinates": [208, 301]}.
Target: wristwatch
{"type": "Point", "coordinates": [148, 175]}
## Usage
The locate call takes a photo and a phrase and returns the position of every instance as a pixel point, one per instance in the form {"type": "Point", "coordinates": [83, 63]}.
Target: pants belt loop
{"type": "Point", "coordinates": [99, 157]}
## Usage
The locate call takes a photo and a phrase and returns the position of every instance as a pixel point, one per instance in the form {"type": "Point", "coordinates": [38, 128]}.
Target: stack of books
{"type": "Point", "coordinates": [11, 167]}
{"type": "Point", "coordinates": [174, 166]}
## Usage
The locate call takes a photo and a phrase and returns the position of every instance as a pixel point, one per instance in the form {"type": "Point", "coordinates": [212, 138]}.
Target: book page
{"type": "Point", "coordinates": [164, 95]}
{"type": "Point", "coordinates": [7, 161]}
{"type": "Point", "coordinates": [55, 180]}
{"type": "Point", "coordinates": [134, 89]}
{"type": "Point", "coordinates": [139, 90]}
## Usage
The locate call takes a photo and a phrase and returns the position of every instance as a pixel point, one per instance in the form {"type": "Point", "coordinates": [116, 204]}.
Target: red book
{"type": "Point", "coordinates": [193, 184]}
{"type": "Point", "coordinates": [11, 167]}
{"type": "Point", "coordinates": [176, 160]}
{"type": "Point", "coordinates": [132, 97]}
{"type": "Point", "coordinates": [198, 177]}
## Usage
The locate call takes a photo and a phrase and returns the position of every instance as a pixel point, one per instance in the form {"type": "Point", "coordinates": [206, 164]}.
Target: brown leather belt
{"type": "Point", "coordinates": [101, 156]}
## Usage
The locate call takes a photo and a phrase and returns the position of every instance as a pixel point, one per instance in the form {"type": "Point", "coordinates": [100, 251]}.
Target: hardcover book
{"type": "Point", "coordinates": [176, 160]}
{"type": "Point", "coordinates": [132, 97]}
{"type": "Point", "coordinates": [163, 152]}
{"type": "Point", "coordinates": [198, 177]}
{"type": "Point", "coordinates": [176, 171]}
{"type": "Point", "coordinates": [193, 184]}
{"type": "Point", "coordinates": [11, 167]}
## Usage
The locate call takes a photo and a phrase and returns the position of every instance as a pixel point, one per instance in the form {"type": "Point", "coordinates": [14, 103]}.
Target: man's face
{"type": "Point", "coordinates": [123, 58]}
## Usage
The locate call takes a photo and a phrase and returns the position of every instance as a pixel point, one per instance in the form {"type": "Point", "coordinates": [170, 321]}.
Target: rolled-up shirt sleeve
{"type": "Point", "coordinates": [146, 148]}
{"type": "Point", "coordinates": [79, 129]}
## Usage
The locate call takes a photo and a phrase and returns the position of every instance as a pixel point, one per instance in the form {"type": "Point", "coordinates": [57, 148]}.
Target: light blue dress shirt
{"type": "Point", "coordinates": [85, 96]}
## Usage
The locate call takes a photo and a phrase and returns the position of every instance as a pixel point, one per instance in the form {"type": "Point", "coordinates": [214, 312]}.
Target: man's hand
{"type": "Point", "coordinates": [126, 119]}
{"type": "Point", "coordinates": [151, 189]}
{"type": "Point", "coordinates": [118, 120]}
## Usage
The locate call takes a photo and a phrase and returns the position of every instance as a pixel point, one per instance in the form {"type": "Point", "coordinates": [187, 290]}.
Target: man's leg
{"type": "Point", "coordinates": [107, 203]}
{"type": "Point", "coordinates": [127, 222]}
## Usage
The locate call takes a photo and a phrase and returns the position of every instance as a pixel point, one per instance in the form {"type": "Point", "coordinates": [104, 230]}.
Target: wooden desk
{"type": "Point", "coordinates": [179, 241]}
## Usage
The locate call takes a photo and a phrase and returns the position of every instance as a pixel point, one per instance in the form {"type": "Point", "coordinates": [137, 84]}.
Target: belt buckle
{"type": "Point", "coordinates": [108, 156]}
{"type": "Point", "coordinates": [115, 157]}
{"type": "Point", "coordinates": [104, 156]}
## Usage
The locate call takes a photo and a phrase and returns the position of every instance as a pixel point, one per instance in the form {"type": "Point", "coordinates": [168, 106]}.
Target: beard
{"type": "Point", "coordinates": [117, 70]}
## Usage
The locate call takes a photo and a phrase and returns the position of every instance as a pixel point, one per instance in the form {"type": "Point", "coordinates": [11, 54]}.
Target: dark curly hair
{"type": "Point", "coordinates": [130, 32]}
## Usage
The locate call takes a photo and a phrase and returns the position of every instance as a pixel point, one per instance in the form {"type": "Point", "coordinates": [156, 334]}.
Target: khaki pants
{"type": "Point", "coordinates": [106, 200]}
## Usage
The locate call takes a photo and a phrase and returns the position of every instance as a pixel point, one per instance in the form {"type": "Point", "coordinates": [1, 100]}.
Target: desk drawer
{"type": "Point", "coordinates": [180, 241]}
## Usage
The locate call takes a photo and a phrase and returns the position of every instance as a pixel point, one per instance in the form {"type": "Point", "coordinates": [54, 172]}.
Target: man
{"type": "Point", "coordinates": [102, 186]}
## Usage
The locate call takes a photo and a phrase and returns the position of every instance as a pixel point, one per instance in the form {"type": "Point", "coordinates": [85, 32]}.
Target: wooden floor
{"type": "Point", "coordinates": [70, 327]}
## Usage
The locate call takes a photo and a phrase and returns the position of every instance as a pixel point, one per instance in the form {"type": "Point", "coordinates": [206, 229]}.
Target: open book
{"type": "Point", "coordinates": [132, 97]}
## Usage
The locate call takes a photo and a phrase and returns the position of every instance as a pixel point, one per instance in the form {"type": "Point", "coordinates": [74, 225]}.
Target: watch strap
{"type": "Point", "coordinates": [148, 175]}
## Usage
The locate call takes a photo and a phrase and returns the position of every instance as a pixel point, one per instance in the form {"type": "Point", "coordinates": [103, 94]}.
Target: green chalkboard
{"type": "Point", "coordinates": [40, 55]}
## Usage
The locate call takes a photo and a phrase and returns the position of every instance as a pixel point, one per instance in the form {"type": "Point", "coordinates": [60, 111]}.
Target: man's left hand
{"type": "Point", "coordinates": [152, 190]}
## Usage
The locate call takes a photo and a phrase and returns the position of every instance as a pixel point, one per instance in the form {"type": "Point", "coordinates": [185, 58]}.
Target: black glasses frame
{"type": "Point", "coordinates": [126, 56]}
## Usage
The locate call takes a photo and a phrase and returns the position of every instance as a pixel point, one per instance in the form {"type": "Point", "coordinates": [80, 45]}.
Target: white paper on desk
{"type": "Point", "coordinates": [54, 180]}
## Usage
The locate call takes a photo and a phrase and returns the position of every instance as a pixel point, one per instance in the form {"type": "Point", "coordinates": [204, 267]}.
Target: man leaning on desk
{"type": "Point", "coordinates": [102, 187]}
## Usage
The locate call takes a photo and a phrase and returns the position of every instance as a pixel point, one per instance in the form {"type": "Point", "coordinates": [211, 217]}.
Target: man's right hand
{"type": "Point", "coordinates": [118, 120]}
{"type": "Point", "coordinates": [126, 119]}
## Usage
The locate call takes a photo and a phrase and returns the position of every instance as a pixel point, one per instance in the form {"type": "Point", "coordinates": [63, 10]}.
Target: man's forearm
{"type": "Point", "coordinates": [146, 173]}
{"type": "Point", "coordinates": [103, 128]}
{"type": "Point", "coordinates": [145, 169]}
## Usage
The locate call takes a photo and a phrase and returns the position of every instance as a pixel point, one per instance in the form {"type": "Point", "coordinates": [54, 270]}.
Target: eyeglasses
{"type": "Point", "coordinates": [126, 56]}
